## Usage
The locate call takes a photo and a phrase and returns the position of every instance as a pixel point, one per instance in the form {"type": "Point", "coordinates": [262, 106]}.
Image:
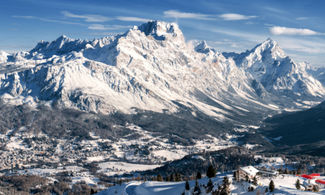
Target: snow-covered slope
{"type": "Point", "coordinates": [152, 67]}
{"type": "Point", "coordinates": [284, 184]}
{"type": "Point", "coordinates": [3, 56]}
{"type": "Point", "coordinates": [318, 73]}
{"type": "Point", "coordinates": [277, 73]}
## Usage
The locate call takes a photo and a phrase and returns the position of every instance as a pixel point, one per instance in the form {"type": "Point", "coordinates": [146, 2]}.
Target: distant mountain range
{"type": "Point", "coordinates": [151, 67]}
{"type": "Point", "coordinates": [152, 78]}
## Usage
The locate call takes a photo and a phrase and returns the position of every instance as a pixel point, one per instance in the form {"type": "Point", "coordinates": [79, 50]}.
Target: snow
{"type": "Point", "coordinates": [95, 158]}
{"type": "Point", "coordinates": [284, 184]}
{"type": "Point", "coordinates": [278, 138]}
{"type": "Point", "coordinates": [250, 146]}
{"type": "Point", "coordinates": [85, 177]}
{"type": "Point", "coordinates": [249, 170]}
{"type": "Point", "coordinates": [50, 171]}
{"type": "Point", "coordinates": [112, 168]}
{"type": "Point", "coordinates": [169, 155]}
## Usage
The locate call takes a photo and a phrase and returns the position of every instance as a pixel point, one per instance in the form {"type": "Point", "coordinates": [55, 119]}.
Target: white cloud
{"type": "Point", "coordinates": [132, 19]}
{"type": "Point", "coordinates": [240, 34]}
{"type": "Point", "coordinates": [106, 27]}
{"type": "Point", "coordinates": [86, 17]}
{"type": "Point", "coordinates": [275, 10]}
{"type": "Point", "coordinates": [302, 18]}
{"type": "Point", "coordinates": [47, 20]}
{"type": "Point", "coordinates": [280, 30]}
{"type": "Point", "coordinates": [316, 46]}
{"type": "Point", "coordinates": [187, 15]}
{"type": "Point", "coordinates": [234, 16]}
{"type": "Point", "coordinates": [24, 17]}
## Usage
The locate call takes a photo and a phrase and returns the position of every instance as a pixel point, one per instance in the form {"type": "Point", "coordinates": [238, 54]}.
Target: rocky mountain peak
{"type": "Point", "coordinates": [62, 45]}
{"type": "Point", "coordinates": [161, 30]}
{"type": "Point", "coordinates": [203, 47]}
{"type": "Point", "coordinates": [269, 48]}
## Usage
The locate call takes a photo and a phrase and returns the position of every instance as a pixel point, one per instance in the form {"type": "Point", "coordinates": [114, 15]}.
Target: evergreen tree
{"type": "Point", "coordinates": [211, 172]}
{"type": "Point", "coordinates": [172, 178]}
{"type": "Point", "coordinates": [178, 177]}
{"type": "Point", "coordinates": [197, 189]}
{"type": "Point", "coordinates": [225, 188]}
{"type": "Point", "coordinates": [286, 171]}
{"type": "Point", "coordinates": [209, 186]}
{"type": "Point", "coordinates": [235, 175]}
{"type": "Point", "coordinates": [187, 185]}
{"type": "Point", "coordinates": [198, 175]}
{"type": "Point", "coordinates": [226, 181]}
{"type": "Point", "coordinates": [255, 180]}
{"type": "Point", "coordinates": [298, 184]}
{"type": "Point", "coordinates": [159, 178]}
{"type": "Point", "coordinates": [271, 186]}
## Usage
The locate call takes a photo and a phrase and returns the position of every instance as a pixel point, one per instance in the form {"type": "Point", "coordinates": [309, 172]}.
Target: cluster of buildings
{"type": "Point", "coordinates": [24, 152]}
{"type": "Point", "coordinates": [250, 172]}
{"type": "Point", "coordinates": [309, 181]}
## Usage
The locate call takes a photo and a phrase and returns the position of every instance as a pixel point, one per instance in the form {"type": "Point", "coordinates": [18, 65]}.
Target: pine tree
{"type": "Point", "coordinates": [225, 189]}
{"type": "Point", "coordinates": [255, 180]}
{"type": "Point", "coordinates": [209, 186]}
{"type": "Point", "coordinates": [299, 171]}
{"type": "Point", "coordinates": [235, 175]}
{"type": "Point", "coordinates": [286, 171]}
{"type": "Point", "coordinates": [211, 172]}
{"type": "Point", "coordinates": [187, 185]}
{"type": "Point", "coordinates": [198, 175]}
{"type": "Point", "coordinates": [250, 188]}
{"type": "Point", "coordinates": [172, 178]}
{"type": "Point", "coordinates": [271, 186]}
{"type": "Point", "coordinates": [178, 177]}
{"type": "Point", "coordinates": [298, 184]}
{"type": "Point", "coordinates": [197, 189]}
{"type": "Point", "coordinates": [159, 178]}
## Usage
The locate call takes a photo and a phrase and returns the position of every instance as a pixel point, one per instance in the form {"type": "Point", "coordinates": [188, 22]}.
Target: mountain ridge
{"type": "Point", "coordinates": [151, 67]}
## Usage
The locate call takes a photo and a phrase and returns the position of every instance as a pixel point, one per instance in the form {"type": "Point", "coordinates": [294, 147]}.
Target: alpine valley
{"type": "Point", "coordinates": [89, 110]}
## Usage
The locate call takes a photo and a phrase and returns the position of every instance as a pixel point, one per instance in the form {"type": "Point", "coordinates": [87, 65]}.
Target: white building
{"type": "Point", "coordinates": [249, 171]}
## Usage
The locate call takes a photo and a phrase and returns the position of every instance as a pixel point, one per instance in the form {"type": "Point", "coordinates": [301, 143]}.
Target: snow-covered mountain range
{"type": "Point", "coordinates": [152, 67]}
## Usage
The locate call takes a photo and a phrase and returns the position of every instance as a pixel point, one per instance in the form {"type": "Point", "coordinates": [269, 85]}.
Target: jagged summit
{"type": "Point", "coordinates": [203, 47]}
{"type": "Point", "coordinates": [61, 45]}
{"type": "Point", "coordinates": [269, 47]}
{"type": "Point", "coordinates": [160, 30]}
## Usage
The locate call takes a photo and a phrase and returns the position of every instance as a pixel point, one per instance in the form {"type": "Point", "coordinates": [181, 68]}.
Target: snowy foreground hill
{"type": "Point", "coordinates": [284, 184]}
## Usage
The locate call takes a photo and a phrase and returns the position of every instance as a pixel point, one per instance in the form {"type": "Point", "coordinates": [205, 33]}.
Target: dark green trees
{"type": "Point", "coordinates": [211, 172]}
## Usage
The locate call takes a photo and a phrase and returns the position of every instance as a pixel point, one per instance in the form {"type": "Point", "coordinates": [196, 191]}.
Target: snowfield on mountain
{"type": "Point", "coordinates": [152, 67]}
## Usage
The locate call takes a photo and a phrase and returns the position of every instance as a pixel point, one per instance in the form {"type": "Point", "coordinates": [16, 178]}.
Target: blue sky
{"type": "Point", "coordinates": [228, 25]}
